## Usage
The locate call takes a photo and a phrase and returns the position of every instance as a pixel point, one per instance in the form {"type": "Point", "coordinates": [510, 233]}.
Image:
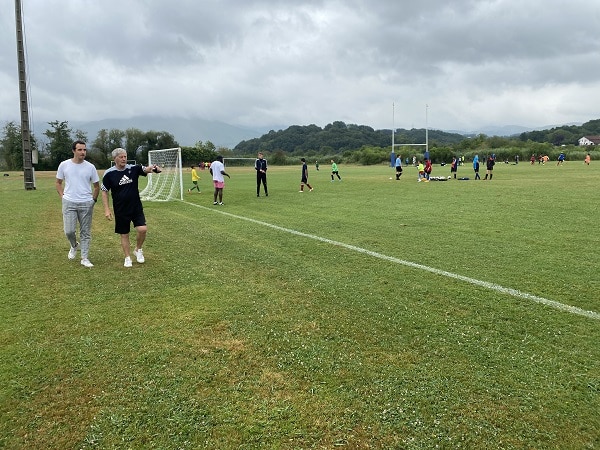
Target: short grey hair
{"type": "Point", "coordinates": [118, 151]}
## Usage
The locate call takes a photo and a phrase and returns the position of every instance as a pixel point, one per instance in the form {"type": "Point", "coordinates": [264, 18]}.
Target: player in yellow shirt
{"type": "Point", "coordinates": [195, 179]}
{"type": "Point", "coordinates": [421, 169]}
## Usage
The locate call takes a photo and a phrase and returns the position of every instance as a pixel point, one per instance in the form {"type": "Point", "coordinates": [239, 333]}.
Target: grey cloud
{"type": "Point", "coordinates": [263, 63]}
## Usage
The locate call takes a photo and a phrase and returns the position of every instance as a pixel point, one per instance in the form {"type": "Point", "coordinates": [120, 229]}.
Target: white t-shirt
{"type": "Point", "coordinates": [78, 180]}
{"type": "Point", "coordinates": [217, 167]}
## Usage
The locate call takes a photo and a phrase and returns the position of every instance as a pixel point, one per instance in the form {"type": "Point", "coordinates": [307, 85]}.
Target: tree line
{"type": "Point", "coordinates": [357, 144]}
{"type": "Point", "coordinates": [348, 143]}
{"type": "Point", "coordinates": [60, 137]}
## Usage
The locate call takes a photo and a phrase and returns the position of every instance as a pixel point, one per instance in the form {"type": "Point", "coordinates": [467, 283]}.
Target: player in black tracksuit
{"type": "Point", "coordinates": [261, 174]}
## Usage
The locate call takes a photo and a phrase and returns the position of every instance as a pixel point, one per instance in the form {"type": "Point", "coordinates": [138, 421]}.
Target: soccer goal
{"type": "Point", "coordinates": [168, 184]}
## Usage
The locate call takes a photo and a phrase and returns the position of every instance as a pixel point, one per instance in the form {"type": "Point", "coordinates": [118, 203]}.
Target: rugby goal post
{"type": "Point", "coordinates": [168, 184]}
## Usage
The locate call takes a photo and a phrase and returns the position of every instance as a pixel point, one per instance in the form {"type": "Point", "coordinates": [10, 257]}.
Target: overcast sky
{"type": "Point", "coordinates": [272, 64]}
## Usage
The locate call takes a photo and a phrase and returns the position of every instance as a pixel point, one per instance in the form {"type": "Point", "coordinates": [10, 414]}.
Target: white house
{"type": "Point", "coordinates": [589, 140]}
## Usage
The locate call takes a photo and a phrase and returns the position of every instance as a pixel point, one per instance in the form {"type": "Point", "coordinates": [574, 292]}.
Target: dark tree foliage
{"type": "Point", "coordinates": [565, 135]}
{"type": "Point", "coordinates": [337, 137]}
{"type": "Point", "coordinates": [199, 153]}
{"type": "Point", "coordinates": [60, 143]}
{"type": "Point", "coordinates": [11, 148]}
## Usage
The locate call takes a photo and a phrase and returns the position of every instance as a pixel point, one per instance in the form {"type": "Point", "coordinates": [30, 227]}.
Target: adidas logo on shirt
{"type": "Point", "coordinates": [125, 180]}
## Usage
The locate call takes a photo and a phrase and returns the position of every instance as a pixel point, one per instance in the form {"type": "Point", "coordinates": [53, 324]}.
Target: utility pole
{"type": "Point", "coordinates": [28, 173]}
{"type": "Point", "coordinates": [426, 129]}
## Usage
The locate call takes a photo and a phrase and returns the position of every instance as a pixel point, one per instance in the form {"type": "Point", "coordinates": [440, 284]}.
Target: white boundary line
{"type": "Point", "coordinates": [473, 281]}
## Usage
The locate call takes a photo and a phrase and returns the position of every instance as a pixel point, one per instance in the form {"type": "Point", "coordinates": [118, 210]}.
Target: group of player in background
{"type": "Point", "coordinates": [217, 170]}
{"type": "Point", "coordinates": [424, 168]}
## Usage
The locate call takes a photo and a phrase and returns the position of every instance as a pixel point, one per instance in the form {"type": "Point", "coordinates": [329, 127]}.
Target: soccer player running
{"type": "Point", "coordinates": [217, 170]}
{"type": "Point", "coordinates": [122, 181]}
{"type": "Point", "coordinates": [260, 165]}
{"type": "Point", "coordinates": [78, 199]}
{"type": "Point", "coordinates": [334, 171]}
{"type": "Point", "coordinates": [304, 179]}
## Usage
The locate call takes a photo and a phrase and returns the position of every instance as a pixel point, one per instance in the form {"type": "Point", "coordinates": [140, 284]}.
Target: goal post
{"type": "Point", "coordinates": [239, 162]}
{"type": "Point", "coordinates": [168, 184]}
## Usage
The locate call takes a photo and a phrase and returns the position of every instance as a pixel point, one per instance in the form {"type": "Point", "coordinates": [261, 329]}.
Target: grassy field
{"type": "Point", "coordinates": [369, 313]}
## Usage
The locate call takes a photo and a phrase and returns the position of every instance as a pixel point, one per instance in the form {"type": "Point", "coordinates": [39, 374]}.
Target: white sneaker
{"type": "Point", "coordinates": [127, 262]}
{"type": "Point", "coordinates": [139, 255]}
{"type": "Point", "coordinates": [86, 262]}
{"type": "Point", "coordinates": [73, 251]}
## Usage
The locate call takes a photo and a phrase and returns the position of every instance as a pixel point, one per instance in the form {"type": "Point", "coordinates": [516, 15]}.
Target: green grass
{"type": "Point", "coordinates": [235, 334]}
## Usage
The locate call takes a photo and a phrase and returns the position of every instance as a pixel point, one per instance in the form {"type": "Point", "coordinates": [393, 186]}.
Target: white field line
{"type": "Point", "coordinates": [473, 281]}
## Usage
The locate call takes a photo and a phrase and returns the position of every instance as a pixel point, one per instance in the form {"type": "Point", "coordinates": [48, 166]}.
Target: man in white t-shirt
{"type": "Point", "coordinates": [78, 199]}
{"type": "Point", "coordinates": [217, 170]}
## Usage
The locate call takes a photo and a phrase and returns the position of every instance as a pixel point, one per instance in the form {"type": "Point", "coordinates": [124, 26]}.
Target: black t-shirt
{"type": "Point", "coordinates": [123, 185]}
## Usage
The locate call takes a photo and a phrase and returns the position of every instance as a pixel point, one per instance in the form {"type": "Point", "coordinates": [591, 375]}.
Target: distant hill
{"type": "Point", "coordinates": [563, 135]}
{"type": "Point", "coordinates": [186, 131]}
{"type": "Point", "coordinates": [339, 137]}
{"type": "Point", "coordinates": [508, 130]}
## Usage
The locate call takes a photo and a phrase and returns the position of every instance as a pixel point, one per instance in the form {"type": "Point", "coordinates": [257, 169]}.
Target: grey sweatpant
{"type": "Point", "coordinates": [82, 213]}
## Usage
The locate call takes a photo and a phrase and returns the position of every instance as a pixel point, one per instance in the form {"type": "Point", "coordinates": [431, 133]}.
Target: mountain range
{"type": "Point", "coordinates": [188, 131]}
{"type": "Point", "coordinates": [508, 130]}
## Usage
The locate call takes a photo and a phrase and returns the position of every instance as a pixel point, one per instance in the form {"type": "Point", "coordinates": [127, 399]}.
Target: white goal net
{"type": "Point", "coordinates": [168, 184]}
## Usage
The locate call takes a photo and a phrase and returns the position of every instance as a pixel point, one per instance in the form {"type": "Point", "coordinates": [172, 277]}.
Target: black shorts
{"type": "Point", "coordinates": [123, 222]}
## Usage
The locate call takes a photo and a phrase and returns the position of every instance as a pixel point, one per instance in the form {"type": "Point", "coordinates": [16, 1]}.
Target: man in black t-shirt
{"type": "Point", "coordinates": [122, 181]}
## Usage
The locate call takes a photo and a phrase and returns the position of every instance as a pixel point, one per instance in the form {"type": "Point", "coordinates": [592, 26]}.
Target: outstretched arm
{"type": "Point", "coordinates": [153, 168]}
